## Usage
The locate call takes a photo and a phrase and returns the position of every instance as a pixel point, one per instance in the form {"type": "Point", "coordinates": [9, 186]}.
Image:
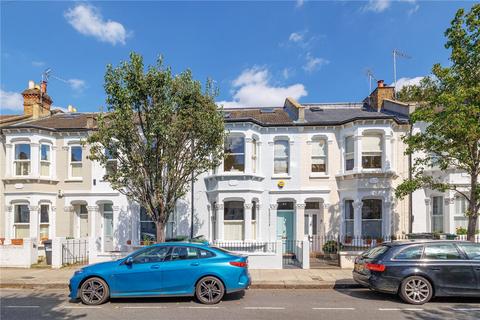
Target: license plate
{"type": "Point", "coordinates": [359, 267]}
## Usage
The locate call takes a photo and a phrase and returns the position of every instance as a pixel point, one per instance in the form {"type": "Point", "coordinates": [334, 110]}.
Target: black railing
{"type": "Point", "coordinates": [247, 247]}
{"type": "Point", "coordinates": [75, 251]}
{"type": "Point", "coordinates": [292, 253]}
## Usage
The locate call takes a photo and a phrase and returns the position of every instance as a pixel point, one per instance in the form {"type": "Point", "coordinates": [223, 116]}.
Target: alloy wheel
{"type": "Point", "coordinates": [93, 291]}
{"type": "Point", "coordinates": [210, 290]}
{"type": "Point", "coordinates": [417, 290]}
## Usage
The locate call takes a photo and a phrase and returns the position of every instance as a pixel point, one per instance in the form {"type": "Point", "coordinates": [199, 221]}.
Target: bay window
{"type": "Point", "coordinates": [319, 155]}
{"type": "Point", "coordinates": [21, 221]}
{"type": "Point", "coordinates": [349, 218]}
{"type": "Point", "coordinates": [45, 160]}
{"type": "Point", "coordinates": [44, 221]}
{"type": "Point", "coordinates": [460, 219]}
{"type": "Point", "coordinates": [22, 159]}
{"type": "Point", "coordinates": [234, 154]}
{"type": "Point", "coordinates": [254, 220]}
{"type": "Point", "coordinates": [349, 153]}
{"type": "Point", "coordinates": [281, 157]}
{"type": "Point", "coordinates": [233, 217]}
{"type": "Point", "coordinates": [372, 218]}
{"type": "Point", "coordinates": [372, 151]}
{"type": "Point", "coordinates": [148, 229]}
{"type": "Point", "coordinates": [75, 161]}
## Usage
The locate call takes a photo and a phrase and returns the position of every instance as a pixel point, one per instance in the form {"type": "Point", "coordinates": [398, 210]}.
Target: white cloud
{"type": "Point", "coordinates": [77, 84]}
{"type": "Point", "coordinates": [377, 5]}
{"type": "Point", "coordinates": [296, 36]}
{"type": "Point", "coordinates": [87, 20]}
{"type": "Point", "coordinates": [313, 63]}
{"type": "Point", "coordinates": [413, 10]}
{"type": "Point", "coordinates": [402, 82]}
{"type": "Point", "coordinates": [287, 73]}
{"type": "Point", "coordinates": [38, 63]}
{"type": "Point", "coordinates": [252, 88]}
{"type": "Point", "coordinates": [11, 100]}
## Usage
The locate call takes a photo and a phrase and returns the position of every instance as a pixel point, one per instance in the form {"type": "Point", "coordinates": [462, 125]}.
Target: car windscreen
{"type": "Point", "coordinates": [374, 252]}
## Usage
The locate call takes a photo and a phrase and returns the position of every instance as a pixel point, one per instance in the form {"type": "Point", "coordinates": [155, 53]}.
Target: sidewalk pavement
{"type": "Point", "coordinates": [261, 279]}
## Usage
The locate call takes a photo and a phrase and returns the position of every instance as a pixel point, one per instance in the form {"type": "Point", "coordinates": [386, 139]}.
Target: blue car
{"type": "Point", "coordinates": [166, 269]}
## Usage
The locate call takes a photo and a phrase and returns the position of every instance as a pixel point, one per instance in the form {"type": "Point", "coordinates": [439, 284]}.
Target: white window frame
{"type": "Point", "coordinates": [442, 215]}
{"type": "Point", "coordinates": [282, 158]}
{"type": "Point", "coordinates": [15, 224]}
{"type": "Point", "coordinates": [349, 155]}
{"type": "Point", "coordinates": [71, 163]}
{"type": "Point", "coordinates": [110, 160]}
{"type": "Point", "coordinates": [345, 220]}
{"type": "Point", "coordinates": [382, 214]}
{"type": "Point", "coordinates": [40, 223]}
{"type": "Point", "coordinates": [237, 222]}
{"type": "Point", "coordinates": [377, 153]}
{"type": "Point", "coordinates": [315, 156]}
{"type": "Point", "coordinates": [459, 217]}
{"type": "Point", "coordinates": [15, 161]}
{"type": "Point", "coordinates": [254, 155]}
{"type": "Point", "coordinates": [233, 135]}
{"type": "Point", "coordinates": [48, 161]}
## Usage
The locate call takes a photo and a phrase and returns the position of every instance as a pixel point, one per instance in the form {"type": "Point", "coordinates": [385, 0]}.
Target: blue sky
{"type": "Point", "coordinates": [257, 52]}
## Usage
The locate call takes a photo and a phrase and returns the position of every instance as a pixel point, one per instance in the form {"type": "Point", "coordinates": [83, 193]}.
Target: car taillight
{"type": "Point", "coordinates": [239, 264]}
{"type": "Point", "coordinates": [375, 267]}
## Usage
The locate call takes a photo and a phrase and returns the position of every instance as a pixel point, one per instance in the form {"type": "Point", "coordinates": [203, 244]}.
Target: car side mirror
{"type": "Point", "coordinates": [129, 261]}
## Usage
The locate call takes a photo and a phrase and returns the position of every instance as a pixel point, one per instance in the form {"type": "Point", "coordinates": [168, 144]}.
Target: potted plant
{"type": "Point", "coordinates": [368, 240]}
{"type": "Point", "coordinates": [348, 240]}
{"type": "Point", "coordinates": [379, 240]}
{"type": "Point", "coordinates": [129, 242]}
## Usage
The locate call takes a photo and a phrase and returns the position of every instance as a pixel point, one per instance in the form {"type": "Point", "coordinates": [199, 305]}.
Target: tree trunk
{"type": "Point", "coordinates": [160, 231]}
{"type": "Point", "coordinates": [472, 209]}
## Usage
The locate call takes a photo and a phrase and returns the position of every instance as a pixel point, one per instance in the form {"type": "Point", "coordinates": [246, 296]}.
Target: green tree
{"type": "Point", "coordinates": [449, 102]}
{"type": "Point", "coordinates": [162, 129]}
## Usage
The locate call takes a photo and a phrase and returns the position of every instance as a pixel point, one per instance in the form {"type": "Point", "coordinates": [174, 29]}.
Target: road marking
{"type": "Point", "coordinates": [85, 307]}
{"type": "Point", "coordinates": [333, 308]}
{"type": "Point", "coordinates": [200, 307]}
{"type": "Point", "coordinates": [146, 307]}
{"type": "Point", "coordinates": [23, 306]}
{"type": "Point", "coordinates": [400, 309]}
{"type": "Point", "coordinates": [264, 308]}
{"type": "Point", "coordinates": [465, 309]}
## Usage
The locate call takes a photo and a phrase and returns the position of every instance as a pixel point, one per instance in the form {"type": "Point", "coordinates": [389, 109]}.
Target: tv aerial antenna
{"type": "Point", "coordinates": [397, 54]}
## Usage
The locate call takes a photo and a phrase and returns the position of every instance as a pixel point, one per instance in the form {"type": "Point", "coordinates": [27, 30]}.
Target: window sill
{"type": "Point", "coordinates": [281, 177]}
{"type": "Point", "coordinates": [74, 180]}
{"type": "Point", "coordinates": [319, 176]}
{"type": "Point", "coordinates": [25, 178]}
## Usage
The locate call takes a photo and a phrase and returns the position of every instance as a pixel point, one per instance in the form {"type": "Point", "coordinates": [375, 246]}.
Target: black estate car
{"type": "Point", "coordinates": [419, 270]}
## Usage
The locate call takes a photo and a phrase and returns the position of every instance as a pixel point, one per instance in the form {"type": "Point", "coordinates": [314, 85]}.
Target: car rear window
{"type": "Point", "coordinates": [472, 250]}
{"type": "Point", "coordinates": [410, 253]}
{"type": "Point", "coordinates": [375, 252]}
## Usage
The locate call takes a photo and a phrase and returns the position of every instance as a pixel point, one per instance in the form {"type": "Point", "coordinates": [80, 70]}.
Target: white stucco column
{"type": "Point", "coordinates": [387, 218]}
{"type": "Point", "coordinates": [388, 155]}
{"type": "Point", "coordinates": [259, 223]}
{"type": "Point", "coordinates": [272, 223]}
{"type": "Point", "coordinates": [219, 221]}
{"type": "Point", "coordinates": [9, 223]}
{"type": "Point", "coordinates": [92, 219]}
{"type": "Point", "coordinates": [357, 147]}
{"type": "Point", "coordinates": [357, 216]}
{"type": "Point", "coordinates": [53, 162]}
{"type": "Point", "coordinates": [341, 207]}
{"type": "Point", "coordinates": [35, 159]}
{"type": "Point", "coordinates": [34, 211]}
{"type": "Point", "coordinates": [428, 216]}
{"type": "Point", "coordinates": [8, 159]}
{"type": "Point", "coordinates": [248, 155]}
{"type": "Point", "coordinates": [300, 222]}
{"type": "Point", "coordinates": [247, 221]}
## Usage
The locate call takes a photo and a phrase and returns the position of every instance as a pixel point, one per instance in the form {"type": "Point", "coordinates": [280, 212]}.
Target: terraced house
{"type": "Point", "coordinates": [291, 174]}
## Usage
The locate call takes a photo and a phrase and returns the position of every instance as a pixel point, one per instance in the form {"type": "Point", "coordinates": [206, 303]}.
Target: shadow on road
{"type": "Point", "coordinates": [228, 297]}
{"type": "Point", "coordinates": [453, 312]}
{"type": "Point", "coordinates": [36, 305]}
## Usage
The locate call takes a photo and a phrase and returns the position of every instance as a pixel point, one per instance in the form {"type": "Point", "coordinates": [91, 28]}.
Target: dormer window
{"type": "Point", "coordinates": [22, 159]}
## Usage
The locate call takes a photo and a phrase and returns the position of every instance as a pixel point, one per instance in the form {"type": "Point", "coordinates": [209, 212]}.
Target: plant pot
{"type": "Point", "coordinates": [368, 241]}
{"type": "Point", "coordinates": [17, 242]}
{"type": "Point", "coordinates": [379, 240]}
{"type": "Point", "coordinates": [129, 242]}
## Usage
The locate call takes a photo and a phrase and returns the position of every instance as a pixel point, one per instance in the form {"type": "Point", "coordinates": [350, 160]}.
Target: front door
{"type": "Point", "coordinates": [107, 227]}
{"type": "Point", "coordinates": [285, 225]}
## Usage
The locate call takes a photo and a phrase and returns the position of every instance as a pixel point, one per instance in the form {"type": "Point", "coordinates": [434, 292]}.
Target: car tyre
{"type": "Point", "coordinates": [416, 290]}
{"type": "Point", "coordinates": [209, 290]}
{"type": "Point", "coordinates": [94, 291]}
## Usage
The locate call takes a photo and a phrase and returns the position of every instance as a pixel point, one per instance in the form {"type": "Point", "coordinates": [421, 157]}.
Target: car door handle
{"type": "Point", "coordinates": [194, 264]}
{"type": "Point", "coordinates": [478, 269]}
{"type": "Point", "coordinates": [435, 269]}
{"type": "Point", "coordinates": [155, 266]}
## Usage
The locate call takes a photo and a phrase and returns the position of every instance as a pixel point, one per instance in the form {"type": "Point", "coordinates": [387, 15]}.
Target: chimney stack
{"type": "Point", "coordinates": [36, 101]}
{"type": "Point", "coordinates": [380, 93]}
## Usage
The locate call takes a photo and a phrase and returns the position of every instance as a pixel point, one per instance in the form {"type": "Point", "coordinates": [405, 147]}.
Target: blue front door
{"type": "Point", "coordinates": [285, 225]}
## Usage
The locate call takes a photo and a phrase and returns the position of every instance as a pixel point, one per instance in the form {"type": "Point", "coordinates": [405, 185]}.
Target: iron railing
{"type": "Point", "coordinates": [75, 251]}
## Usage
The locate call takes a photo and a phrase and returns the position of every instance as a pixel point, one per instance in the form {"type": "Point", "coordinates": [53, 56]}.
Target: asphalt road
{"type": "Point", "coordinates": [355, 304]}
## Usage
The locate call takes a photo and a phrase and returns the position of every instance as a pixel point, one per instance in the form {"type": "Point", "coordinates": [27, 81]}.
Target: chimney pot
{"type": "Point", "coordinates": [31, 84]}
{"type": "Point", "coordinates": [380, 83]}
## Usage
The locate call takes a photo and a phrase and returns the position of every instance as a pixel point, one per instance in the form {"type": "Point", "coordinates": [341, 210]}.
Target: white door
{"type": "Point", "coordinates": [107, 227]}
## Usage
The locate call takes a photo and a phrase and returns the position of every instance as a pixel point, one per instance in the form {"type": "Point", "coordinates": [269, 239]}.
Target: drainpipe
{"type": "Point", "coordinates": [410, 195]}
